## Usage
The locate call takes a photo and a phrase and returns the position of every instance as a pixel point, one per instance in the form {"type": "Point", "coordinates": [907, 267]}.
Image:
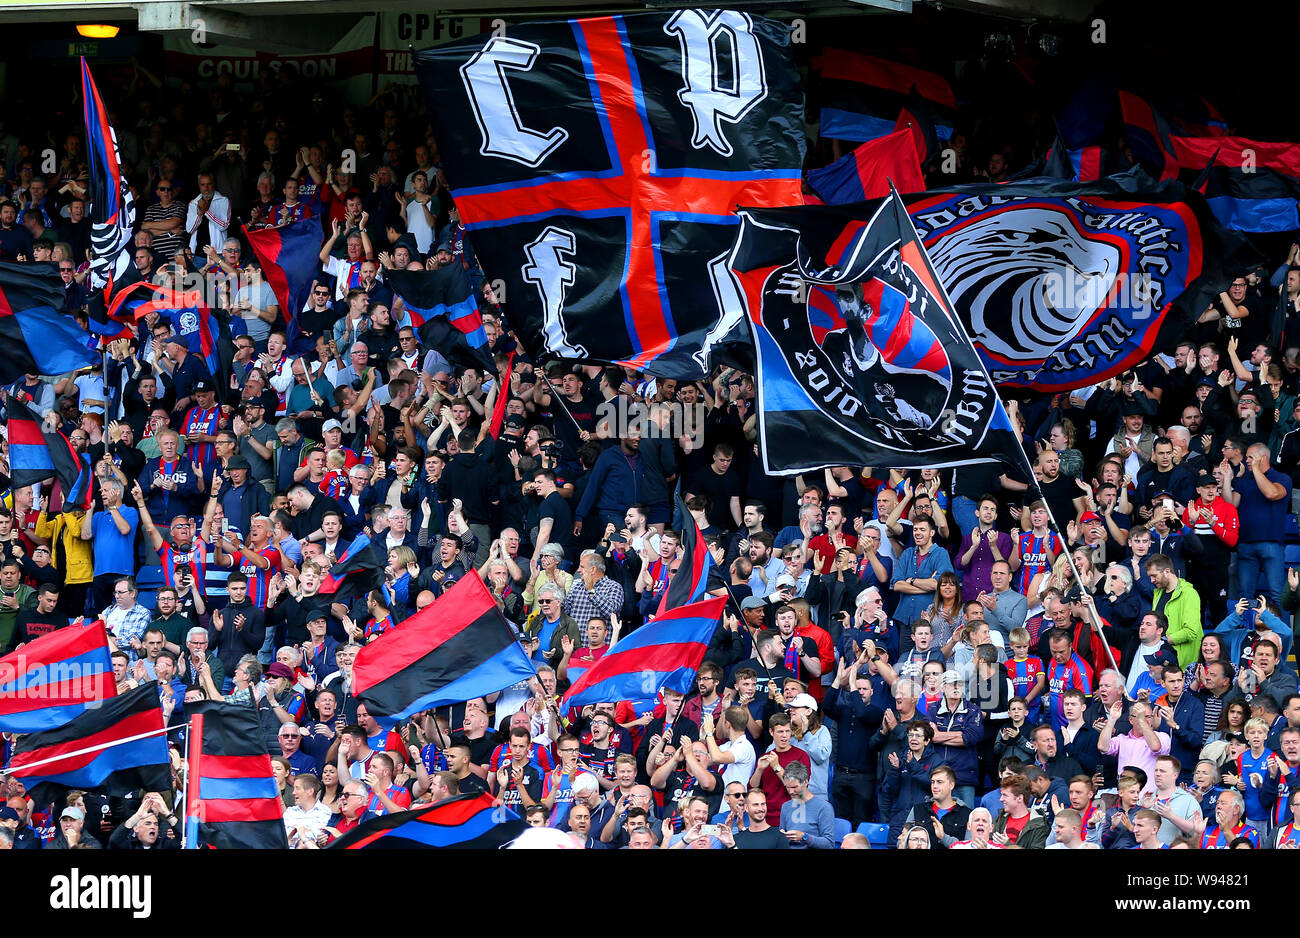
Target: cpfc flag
{"type": "Point", "coordinates": [859, 347]}
{"type": "Point", "coordinates": [1060, 285]}
{"type": "Point", "coordinates": [598, 163]}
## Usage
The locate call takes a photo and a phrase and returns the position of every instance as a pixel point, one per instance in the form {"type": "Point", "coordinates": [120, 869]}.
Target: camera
{"type": "Point", "coordinates": [551, 448]}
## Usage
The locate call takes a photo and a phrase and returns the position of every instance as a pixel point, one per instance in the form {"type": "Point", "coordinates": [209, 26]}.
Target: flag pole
{"type": "Point", "coordinates": [14, 769]}
{"type": "Point", "coordinates": [190, 840]}
{"type": "Point", "coordinates": [1094, 621]}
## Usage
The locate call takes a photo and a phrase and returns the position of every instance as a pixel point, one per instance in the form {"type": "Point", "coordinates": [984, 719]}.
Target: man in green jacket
{"type": "Point", "coordinates": [1181, 605]}
{"type": "Point", "coordinates": [13, 597]}
{"type": "Point", "coordinates": [1028, 827]}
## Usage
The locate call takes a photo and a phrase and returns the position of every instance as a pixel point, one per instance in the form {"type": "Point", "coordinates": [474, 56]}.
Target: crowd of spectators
{"type": "Point", "coordinates": [908, 658]}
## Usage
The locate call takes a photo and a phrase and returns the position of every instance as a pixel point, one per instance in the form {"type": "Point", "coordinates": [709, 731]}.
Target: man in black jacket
{"type": "Point", "coordinates": [857, 718]}
{"type": "Point", "coordinates": [240, 628]}
{"type": "Point", "coordinates": [470, 478]}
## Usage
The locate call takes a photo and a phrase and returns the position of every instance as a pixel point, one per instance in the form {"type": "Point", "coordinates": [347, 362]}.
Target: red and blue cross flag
{"type": "Point", "coordinates": [598, 163]}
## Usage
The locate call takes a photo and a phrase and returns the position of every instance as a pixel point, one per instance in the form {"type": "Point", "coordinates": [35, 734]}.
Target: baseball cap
{"type": "Point", "coordinates": [806, 700]}
{"type": "Point", "coordinates": [1248, 392]}
{"type": "Point", "coordinates": [751, 602]}
{"type": "Point", "coordinates": [514, 420]}
{"type": "Point", "coordinates": [203, 384]}
{"type": "Point", "coordinates": [1089, 516]}
{"type": "Point", "coordinates": [318, 614]}
{"type": "Point", "coordinates": [445, 246]}
{"type": "Point", "coordinates": [331, 425]}
{"type": "Point", "coordinates": [74, 813]}
{"type": "Point", "coordinates": [238, 462]}
{"type": "Point", "coordinates": [1129, 408]}
{"type": "Point", "coordinates": [952, 677]}
{"type": "Point", "coordinates": [785, 580]}
{"type": "Point", "coordinates": [1074, 594]}
{"type": "Point", "coordinates": [278, 670]}
{"type": "Point", "coordinates": [1204, 479]}
{"type": "Point", "coordinates": [8, 814]}
{"type": "Point", "coordinates": [1163, 655]}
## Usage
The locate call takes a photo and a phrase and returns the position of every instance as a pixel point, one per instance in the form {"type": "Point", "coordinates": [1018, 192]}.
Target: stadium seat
{"type": "Point", "coordinates": [1292, 554]}
{"type": "Point", "coordinates": [842, 829]}
{"type": "Point", "coordinates": [878, 834]}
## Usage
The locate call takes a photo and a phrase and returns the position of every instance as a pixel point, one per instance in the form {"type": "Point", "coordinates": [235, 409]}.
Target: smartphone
{"type": "Point", "coordinates": [709, 830]}
{"type": "Point", "coordinates": [225, 525]}
{"type": "Point", "coordinates": [233, 146]}
{"type": "Point", "coordinates": [1168, 504]}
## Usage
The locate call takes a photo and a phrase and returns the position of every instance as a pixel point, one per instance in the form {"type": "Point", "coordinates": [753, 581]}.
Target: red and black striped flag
{"type": "Point", "coordinates": [38, 338]}
{"type": "Point", "coordinates": [455, 649]}
{"type": "Point", "coordinates": [35, 454]}
{"type": "Point", "coordinates": [232, 800]}
{"type": "Point", "coordinates": [119, 746]}
{"type": "Point", "coordinates": [465, 822]}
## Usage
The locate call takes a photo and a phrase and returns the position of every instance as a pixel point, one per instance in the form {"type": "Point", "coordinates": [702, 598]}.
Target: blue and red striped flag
{"type": "Point", "coordinates": [36, 455]}
{"type": "Point", "coordinates": [359, 557]}
{"type": "Point", "coordinates": [232, 801]}
{"type": "Point", "coordinates": [864, 94]}
{"type": "Point", "coordinates": [290, 257]}
{"type": "Point", "coordinates": [54, 679]}
{"type": "Point", "coordinates": [112, 207]}
{"type": "Point", "coordinates": [1148, 136]}
{"type": "Point", "coordinates": [119, 746]}
{"type": "Point", "coordinates": [691, 581]}
{"type": "Point", "coordinates": [867, 171]}
{"type": "Point", "coordinates": [664, 653]}
{"type": "Point", "coordinates": [456, 649]}
{"type": "Point", "coordinates": [432, 300]}
{"type": "Point", "coordinates": [464, 822]}
{"type": "Point", "coordinates": [37, 336]}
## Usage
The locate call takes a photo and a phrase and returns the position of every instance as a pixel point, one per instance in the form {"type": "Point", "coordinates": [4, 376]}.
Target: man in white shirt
{"type": "Point", "coordinates": [1178, 810]}
{"type": "Point", "coordinates": [208, 206]}
{"type": "Point", "coordinates": [737, 753]}
{"type": "Point", "coordinates": [307, 816]}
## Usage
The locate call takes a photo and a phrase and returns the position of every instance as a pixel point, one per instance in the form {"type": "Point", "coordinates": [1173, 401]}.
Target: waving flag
{"type": "Point", "coordinates": [290, 258]}
{"type": "Point", "coordinates": [1251, 185]}
{"type": "Point", "coordinates": [56, 678]}
{"type": "Point", "coordinates": [663, 653]}
{"type": "Point", "coordinates": [1148, 136]}
{"type": "Point", "coordinates": [434, 299]}
{"type": "Point", "coordinates": [900, 383]}
{"type": "Point", "coordinates": [233, 801]}
{"type": "Point", "coordinates": [867, 172]}
{"type": "Point", "coordinates": [360, 557]}
{"type": "Point", "coordinates": [602, 160]}
{"type": "Point", "coordinates": [112, 207]}
{"type": "Point", "coordinates": [37, 336]}
{"type": "Point", "coordinates": [463, 822]}
{"type": "Point", "coordinates": [862, 96]}
{"type": "Point", "coordinates": [119, 747]}
{"type": "Point", "coordinates": [1060, 285]}
{"type": "Point", "coordinates": [457, 648]}
{"type": "Point", "coordinates": [188, 313]}
{"type": "Point", "coordinates": [35, 454]}
{"type": "Point", "coordinates": [691, 581]}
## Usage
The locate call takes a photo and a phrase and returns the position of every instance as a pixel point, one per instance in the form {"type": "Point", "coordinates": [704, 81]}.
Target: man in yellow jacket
{"type": "Point", "coordinates": [73, 557]}
{"type": "Point", "coordinates": [1181, 605]}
